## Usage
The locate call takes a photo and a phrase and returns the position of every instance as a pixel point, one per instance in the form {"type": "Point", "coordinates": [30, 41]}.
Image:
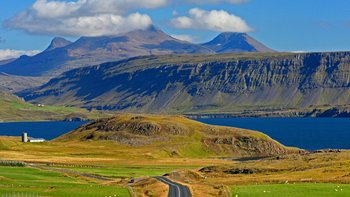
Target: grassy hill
{"type": "Point", "coordinates": [177, 136]}
{"type": "Point", "coordinates": [13, 108]}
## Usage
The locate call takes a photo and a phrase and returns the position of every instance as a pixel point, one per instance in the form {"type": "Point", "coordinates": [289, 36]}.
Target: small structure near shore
{"type": "Point", "coordinates": [25, 139]}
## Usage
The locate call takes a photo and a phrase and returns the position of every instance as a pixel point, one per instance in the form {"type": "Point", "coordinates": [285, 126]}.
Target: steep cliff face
{"type": "Point", "coordinates": [204, 84]}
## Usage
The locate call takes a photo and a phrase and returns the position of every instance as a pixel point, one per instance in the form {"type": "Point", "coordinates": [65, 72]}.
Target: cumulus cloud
{"type": "Point", "coordinates": [6, 54]}
{"type": "Point", "coordinates": [214, 20]}
{"type": "Point", "coordinates": [184, 37]}
{"type": "Point", "coordinates": [217, 1]}
{"type": "Point", "coordinates": [83, 17]}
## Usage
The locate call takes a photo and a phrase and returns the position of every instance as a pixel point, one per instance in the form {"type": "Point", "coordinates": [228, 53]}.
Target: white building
{"type": "Point", "coordinates": [36, 140]}
{"type": "Point", "coordinates": [25, 138]}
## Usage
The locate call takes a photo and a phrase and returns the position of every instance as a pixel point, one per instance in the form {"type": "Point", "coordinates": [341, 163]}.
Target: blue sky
{"type": "Point", "coordinates": [284, 25]}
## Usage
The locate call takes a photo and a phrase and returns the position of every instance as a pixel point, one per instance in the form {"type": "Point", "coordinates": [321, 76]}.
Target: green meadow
{"type": "Point", "coordinates": [129, 171]}
{"type": "Point", "coordinates": [292, 190]}
{"type": "Point", "coordinates": [29, 181]}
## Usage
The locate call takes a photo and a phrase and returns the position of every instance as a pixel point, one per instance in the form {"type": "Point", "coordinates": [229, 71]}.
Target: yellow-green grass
{"type": "Point", "coordinates": [282, 173]}
{"type": "Point", "coordinates": [174, 136]}
{"type": "Point", "coordinates": [13, 109]}
{"type": "Point", "coordinates": [131, 171]}
{"type": "Point", "coordinates": [105, 153]}
{"type": "Point", "coordinates": [292, 190]}
{"type": "Point", "coordinates": [30, 181]}
{"type": "Point", "coordinates": [277, 174]}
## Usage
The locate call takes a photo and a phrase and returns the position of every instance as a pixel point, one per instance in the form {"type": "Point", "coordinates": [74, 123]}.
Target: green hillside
{"type": "Point", "coordinates": [13, 108]}
{"type": "Point", "coordinates": [177, 136]}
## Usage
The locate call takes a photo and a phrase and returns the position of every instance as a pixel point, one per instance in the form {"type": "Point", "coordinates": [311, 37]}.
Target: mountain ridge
{"type": "Point", "coordinates": [63, 55]}
{"type": "Point", "coordinates": [204, 83]}
{"type": "Point", "coordinates": [235, 42]}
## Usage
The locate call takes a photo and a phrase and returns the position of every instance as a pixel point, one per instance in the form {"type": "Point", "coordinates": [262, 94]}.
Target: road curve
{"type": "Point", "coordinates": [175, 189]}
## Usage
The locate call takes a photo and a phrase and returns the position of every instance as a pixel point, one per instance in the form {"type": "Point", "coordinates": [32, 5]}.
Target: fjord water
{"type": "Point", "coordinates": [306, 133]}
{"type": "Point", "coordinates": [47, 130]}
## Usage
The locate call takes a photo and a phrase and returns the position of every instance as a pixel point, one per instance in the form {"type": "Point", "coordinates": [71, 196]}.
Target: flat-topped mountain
{"type": "Point", "coordinates": [179, 136]}
{"type": "Point", "coordinates": [235, 42]}
{"type": "Point", "coordinates": [63, 55]}
{"type": "Point", "coordinates": [222, 83]}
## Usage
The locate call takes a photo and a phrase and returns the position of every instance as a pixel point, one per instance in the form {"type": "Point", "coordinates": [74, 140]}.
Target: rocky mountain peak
{"type": "Point", "coordinates": [58, 42]}
{"type": "Point", "coordinates": [236, 42]}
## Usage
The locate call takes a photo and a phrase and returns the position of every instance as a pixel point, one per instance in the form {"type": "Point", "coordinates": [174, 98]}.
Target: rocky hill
{"type": "Point", "coordinates": [179, 135]}
{"type": "Point", "coordinates": [236, 42]}
{"type": "Point", "coordinates": [204, 83]}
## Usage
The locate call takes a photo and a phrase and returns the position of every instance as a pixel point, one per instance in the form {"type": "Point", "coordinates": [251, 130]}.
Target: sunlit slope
{"type": "Point", "coordinates": [177, 136]}
{"type": "Point", "coordinates": [13, 108]}
{"type": "Point", "coordinates": [223, 83]}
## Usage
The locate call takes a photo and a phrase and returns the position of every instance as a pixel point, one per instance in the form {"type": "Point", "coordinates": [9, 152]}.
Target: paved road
{"type": "Point", "coordinates": [175, 189]}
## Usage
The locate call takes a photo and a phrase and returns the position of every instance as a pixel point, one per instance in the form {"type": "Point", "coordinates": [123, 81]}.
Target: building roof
{"type": "Point", "coordinates": [37, 139]}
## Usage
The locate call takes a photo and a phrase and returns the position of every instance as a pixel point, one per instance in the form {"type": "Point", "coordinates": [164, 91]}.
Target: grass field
{"type": "Point", "coordinates": [129, 171]}
{"type": "Point", "coordinates": [292, 190]}
{"type": "Point", "coordinates": [29, 181]}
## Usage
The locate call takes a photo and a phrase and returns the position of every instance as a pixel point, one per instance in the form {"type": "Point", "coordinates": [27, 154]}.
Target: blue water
{"type": "Point", "coordinates": [47, 130]}
{"type": "Point", "coordinates": [306, 133]}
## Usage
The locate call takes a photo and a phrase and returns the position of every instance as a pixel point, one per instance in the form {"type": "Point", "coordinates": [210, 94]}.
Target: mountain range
{"type": "Point", "coordinates": [150, 71]}
{"type": "Point", "coordinates": [63, 55]}
{"type": "Point", "coordinates": [218, 83]}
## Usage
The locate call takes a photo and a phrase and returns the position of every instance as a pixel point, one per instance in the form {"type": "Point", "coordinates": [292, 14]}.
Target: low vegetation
{"type": "Point", "coordinates": [107, 156]}
{"type": "Point", "coordinates": [12, 163]}
{"type": "Point", "coordinates": [292, 190]}
{"type": "Point", "coordinates": [13, 109]}
{"type": "Point", "coordinates": [324, 173]}
{"type": "Point", "coordinates": [178, 136]}
{"type": "Point", "coordinates": [34, 182]}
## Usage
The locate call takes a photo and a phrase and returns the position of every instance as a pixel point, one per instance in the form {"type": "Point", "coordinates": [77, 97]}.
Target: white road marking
{"type": "Point", "coordinates": [177, 187]}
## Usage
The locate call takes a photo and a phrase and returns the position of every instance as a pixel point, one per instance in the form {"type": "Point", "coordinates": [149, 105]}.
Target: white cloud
{"type": "Point", "coordinates": [214, 20]}
{"type": "Point", "coordinates": [299, 52]}
{"type": "Point", "coordinates": [6, 54]}
{"type": "Point", "coordinates": [83, 17]}
{"type": "Point", "coordinates": [184, 37]}
{"type": "Point", "coordinates": [216, 1]}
